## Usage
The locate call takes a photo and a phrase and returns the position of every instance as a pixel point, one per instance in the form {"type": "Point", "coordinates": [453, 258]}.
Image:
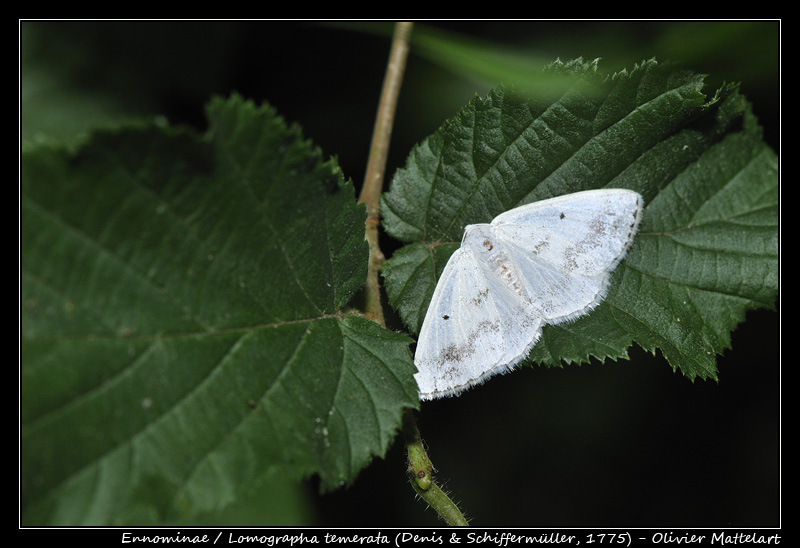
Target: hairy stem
{"type": "Point", "coordinates": [444, 505]}
{"type": "Point", "coordinates": [420, 471]}
{"type": "Point", "coordinates": [420, 466]}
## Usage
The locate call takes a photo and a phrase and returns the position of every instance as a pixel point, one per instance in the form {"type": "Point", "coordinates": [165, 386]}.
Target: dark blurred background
{"type": "Point", "coordinates": [627, 443]}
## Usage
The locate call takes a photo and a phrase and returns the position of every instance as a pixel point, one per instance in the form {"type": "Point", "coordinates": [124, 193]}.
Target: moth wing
{"type": "Point", "coordinates": [565, 249]}
{"type": "Point", "coordinates": [474, 328]}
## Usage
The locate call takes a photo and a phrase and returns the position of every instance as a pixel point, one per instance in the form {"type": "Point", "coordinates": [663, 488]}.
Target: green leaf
{"type": "Point", "coordinates": [184, 331]}
{"type": "Point", "coordinates": [707, 250]}
{"type": "Point", "coordinates": [482, 61]}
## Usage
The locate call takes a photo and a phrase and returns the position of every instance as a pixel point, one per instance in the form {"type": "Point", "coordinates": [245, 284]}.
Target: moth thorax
{"type": "Point", "coordinates": [494, 255]}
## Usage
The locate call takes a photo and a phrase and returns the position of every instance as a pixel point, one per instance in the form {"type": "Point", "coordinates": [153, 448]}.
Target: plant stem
{"type": "Point", "coordinates": [444, 505]}
{"type": "Point", "coordinates": [420, 471]}
{"type": "Point", "coordinates": [420, 466]}
{"type": "Point", "coordinates": [376, 165]}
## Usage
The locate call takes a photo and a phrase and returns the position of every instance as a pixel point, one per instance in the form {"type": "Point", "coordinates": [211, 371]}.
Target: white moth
{"type": "Point", "coordinates": [542, 263]}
